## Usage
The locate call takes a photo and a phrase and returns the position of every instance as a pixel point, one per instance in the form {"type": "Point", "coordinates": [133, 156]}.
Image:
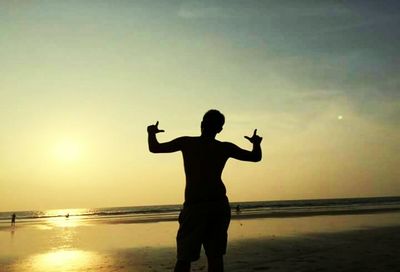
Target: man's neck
{"type": "Point", "coordinates": [207, 136]}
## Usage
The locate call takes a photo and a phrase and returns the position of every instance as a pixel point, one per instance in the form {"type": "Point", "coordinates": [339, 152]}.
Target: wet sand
{"type": "Point", "coordinates": [320, 243]}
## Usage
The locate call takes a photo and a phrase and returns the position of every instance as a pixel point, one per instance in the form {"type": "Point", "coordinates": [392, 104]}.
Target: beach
{"type": "Point", "coordinates": [362, 242]}
{"type": "Point", "coordinates": [122, 122]}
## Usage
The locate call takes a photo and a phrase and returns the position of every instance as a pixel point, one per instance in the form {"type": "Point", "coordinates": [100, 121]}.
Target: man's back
{"type": "Point", "coordinates": [204, 160]}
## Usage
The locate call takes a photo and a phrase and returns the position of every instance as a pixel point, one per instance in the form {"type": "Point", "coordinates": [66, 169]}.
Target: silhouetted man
{"type": "Point", "coordinates": [206, 213]}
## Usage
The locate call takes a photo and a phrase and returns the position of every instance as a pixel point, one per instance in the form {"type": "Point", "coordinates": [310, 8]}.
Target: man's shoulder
{"type": "Point", "coordinates": [187, 139]}
{"type": "Point", "coordinates": [225, 143]}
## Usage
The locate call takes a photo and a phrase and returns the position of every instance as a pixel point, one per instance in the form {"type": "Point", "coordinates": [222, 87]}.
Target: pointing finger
{"type": "Point", "coordinates": [255, 132]}
{"type": "Point", "coordinates": [157, 124]}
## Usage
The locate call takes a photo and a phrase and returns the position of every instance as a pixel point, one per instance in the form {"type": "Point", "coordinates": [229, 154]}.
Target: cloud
{"type": "Point", "coordinates": [266, 9]}
{"type": "Point", "coordinates": [198, 10]}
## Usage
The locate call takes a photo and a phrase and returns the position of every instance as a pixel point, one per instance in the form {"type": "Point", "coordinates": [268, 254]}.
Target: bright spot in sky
{"type": "Point", "coordinates": [68, 150]}
{"type": "Point", "coordinates": [340, 117]}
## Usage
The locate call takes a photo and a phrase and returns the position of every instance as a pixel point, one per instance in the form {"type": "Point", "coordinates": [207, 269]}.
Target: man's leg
{"type": "Point", "coordinates": [216, 239]}
{"type": "Point", "coordinates": [182, 266]}
{"type": "Point", "coordinates": [215, 263]}
{"type": "Point", "coordinates": [189, 237]}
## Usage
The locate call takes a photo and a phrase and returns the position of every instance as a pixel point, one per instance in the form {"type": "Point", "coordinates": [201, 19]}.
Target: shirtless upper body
{"type": "Point", "coordinates": [204, 159]}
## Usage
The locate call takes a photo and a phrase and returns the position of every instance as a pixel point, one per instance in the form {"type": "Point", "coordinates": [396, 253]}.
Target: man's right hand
{"type": "Point", "coordinates": [153, 129]}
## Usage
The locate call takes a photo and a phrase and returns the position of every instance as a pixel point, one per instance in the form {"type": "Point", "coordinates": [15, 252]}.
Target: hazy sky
{"type": "Point", "coordinates": [81, 80]}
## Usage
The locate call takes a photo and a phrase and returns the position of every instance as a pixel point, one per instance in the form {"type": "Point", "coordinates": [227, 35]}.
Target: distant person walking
{"type": "Point", "coordinates": [13, 217]}
{"type": "Point", "coordinates": [206, 214]}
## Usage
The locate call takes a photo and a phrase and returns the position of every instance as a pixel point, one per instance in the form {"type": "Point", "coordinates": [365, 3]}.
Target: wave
{"type": "Point", "coordinates": [267, 208]}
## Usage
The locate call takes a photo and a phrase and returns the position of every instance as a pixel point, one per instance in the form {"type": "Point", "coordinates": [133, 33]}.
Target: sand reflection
{"type": "Point", "coordinates": [294, 226]}
{"type": "Point", "coordinates": [61, 260]}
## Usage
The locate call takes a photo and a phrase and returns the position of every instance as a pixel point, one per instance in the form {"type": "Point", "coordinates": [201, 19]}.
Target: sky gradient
{"type": "Point", "coordinates": [81, 80]}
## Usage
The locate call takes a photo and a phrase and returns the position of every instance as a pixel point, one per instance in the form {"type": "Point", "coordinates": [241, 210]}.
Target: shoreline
{"type": "Point", "coordinates": [135, 219]}
{"type": "Point", "coordinates": [251, 209]}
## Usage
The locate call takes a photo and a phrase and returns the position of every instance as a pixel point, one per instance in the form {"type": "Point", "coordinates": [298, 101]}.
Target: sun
{"type": "Point", "coordinates": [68, 150]}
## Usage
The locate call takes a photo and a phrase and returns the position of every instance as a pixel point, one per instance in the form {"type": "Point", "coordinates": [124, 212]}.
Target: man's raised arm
{"type": "Point", "coordinates": [254, 155]}
{"type": "Point", "coordinates": [156, 147]}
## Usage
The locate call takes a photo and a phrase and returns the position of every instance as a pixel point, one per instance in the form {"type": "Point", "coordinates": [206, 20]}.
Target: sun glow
{"type": "Point", "coordinates": [68, 150]}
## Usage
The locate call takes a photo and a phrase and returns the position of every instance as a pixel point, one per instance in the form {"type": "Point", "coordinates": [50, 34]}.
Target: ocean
{"type": "Point", "coordinates": [282, 208]}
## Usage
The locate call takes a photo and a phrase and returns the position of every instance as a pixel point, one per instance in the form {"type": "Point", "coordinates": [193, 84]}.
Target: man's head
{"type": "Point", "coordinates": [212, 122]}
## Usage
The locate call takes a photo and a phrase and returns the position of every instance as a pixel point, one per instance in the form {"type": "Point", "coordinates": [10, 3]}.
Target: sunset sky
{"type": "Point", "coordinates": [81, 80]}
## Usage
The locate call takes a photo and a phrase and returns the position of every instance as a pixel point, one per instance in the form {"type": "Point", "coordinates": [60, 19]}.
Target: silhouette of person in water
{"type": "Point", "coordinates": [206, 213]}
{"type": "Point", "coordinates": [13, 217]}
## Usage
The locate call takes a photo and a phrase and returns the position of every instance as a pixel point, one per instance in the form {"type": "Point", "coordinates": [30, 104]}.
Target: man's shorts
{"type": "Point", "coordinates": [203, 224]}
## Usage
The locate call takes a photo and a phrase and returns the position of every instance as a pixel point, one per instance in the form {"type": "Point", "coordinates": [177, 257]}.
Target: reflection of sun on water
{"type": "Point", "coordinates": [65, 218]}
{"type": "Point", "coordinates": [63, 260]}
{"type": "Point", "coordinates": [63, 222]}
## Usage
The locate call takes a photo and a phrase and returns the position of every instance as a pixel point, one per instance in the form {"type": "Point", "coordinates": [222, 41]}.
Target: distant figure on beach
{"type": "Point", "coordinates": [206, 213]}
{"type": "Point", "coordinates": [13, 217]}
{"type": "Point", "coordinates": [67, 215]}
